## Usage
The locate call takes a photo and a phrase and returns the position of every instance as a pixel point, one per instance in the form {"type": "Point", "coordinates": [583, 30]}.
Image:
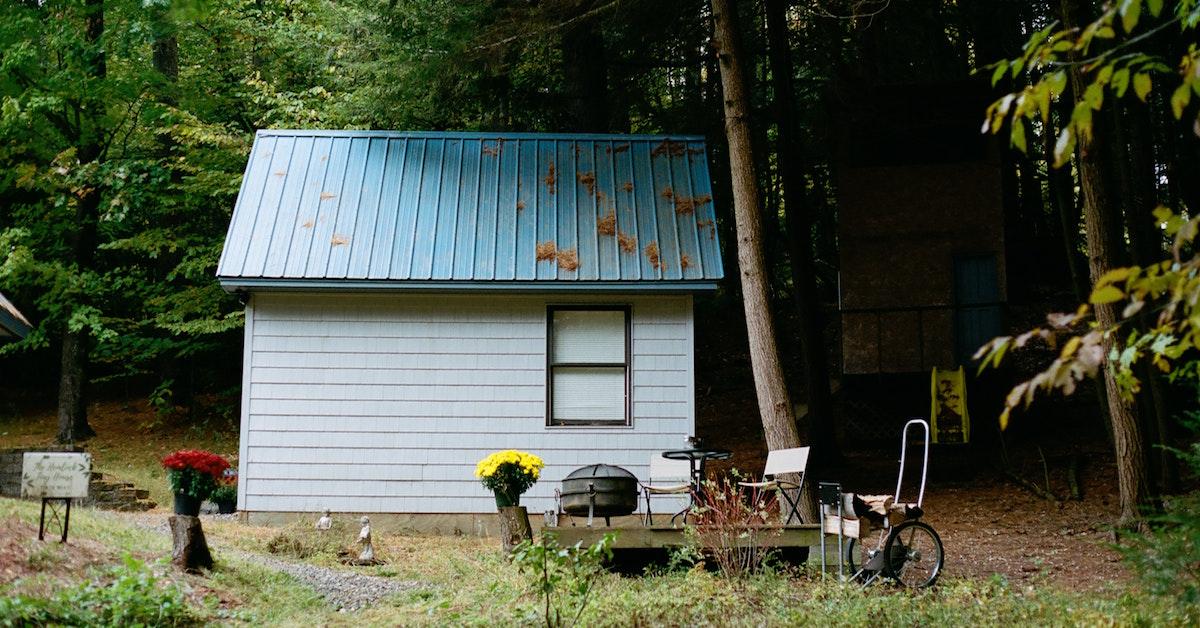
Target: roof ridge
{"type": "Point", "coordinates": [524, 135]}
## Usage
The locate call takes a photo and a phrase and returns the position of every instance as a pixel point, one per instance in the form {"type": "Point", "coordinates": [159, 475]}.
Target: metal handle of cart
{"type": "Point", "coordinates": [904, 454]}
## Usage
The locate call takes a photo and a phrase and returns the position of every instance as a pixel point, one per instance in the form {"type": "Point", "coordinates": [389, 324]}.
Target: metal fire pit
{"type": "Point", "coordinates": [599, 490]}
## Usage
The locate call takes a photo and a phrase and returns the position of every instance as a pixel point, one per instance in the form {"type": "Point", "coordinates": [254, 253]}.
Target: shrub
{"type": "Point", "coordinates": [225, 490]}
{"type": "Point", "coordinates": [1168, 557]}
{"type": "Point", "coordinates": [133, 597]}
{"type": "Point", "coordinates": [730, 523]}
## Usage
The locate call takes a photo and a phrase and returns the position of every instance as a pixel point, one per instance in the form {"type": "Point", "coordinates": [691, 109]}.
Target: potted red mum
{"type": "Point", "coordinates": [193, 475]}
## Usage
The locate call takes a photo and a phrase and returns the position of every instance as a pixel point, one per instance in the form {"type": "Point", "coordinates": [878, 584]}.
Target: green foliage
{"type": "Point", "coordinates": [1109, 53]}
{"type": "Point", "coordinates": [1168, 343]}
{"type": "Point", "coordinates": [563, 576]}
{"type": "Point", "coordinates": [225, 491]}
{"type": "Point", "coordinates": [134, 596]}
{"type": "Point", "coordinates": [1168, 558]}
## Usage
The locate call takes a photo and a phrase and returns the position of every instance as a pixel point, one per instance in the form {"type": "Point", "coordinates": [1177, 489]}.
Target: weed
{"type": "Point", "coordinates": [134, 597]}
{"type": "Point", "coordinates": [563, 577]}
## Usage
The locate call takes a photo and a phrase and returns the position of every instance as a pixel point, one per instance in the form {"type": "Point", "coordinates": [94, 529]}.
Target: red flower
{"type": "Point", "coordinates": [199, 461]}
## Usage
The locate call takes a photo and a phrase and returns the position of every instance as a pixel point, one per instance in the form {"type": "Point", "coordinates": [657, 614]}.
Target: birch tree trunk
{"type": "Point", "coordinates": [774, 405]}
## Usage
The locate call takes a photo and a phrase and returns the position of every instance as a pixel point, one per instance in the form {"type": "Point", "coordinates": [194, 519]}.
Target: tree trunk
{"type": "Point", "coordinates": [797, 215]}
{"type": "Point", "coordinates": [190, 551]}
{"type": "Point", "coordinates": [774, 404]}
{"type": "Point", "coordinates": [1136, 152]}
{"type": "Point", "coordinates": [1061, 182]}
{"type": "Point", "coordinates": [514, 527]}
{"type": "Point", "coordinates": [1102, 222]}
{"type": "Point", "coordinates": [72, 401]}
{"type": "Point", "coordinates": [585, 73]}
{"type": "Point", "coordinates": [72, 386]}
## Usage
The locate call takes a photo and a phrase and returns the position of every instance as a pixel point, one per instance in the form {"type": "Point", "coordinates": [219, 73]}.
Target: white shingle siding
{"type": "Point", "coordinates": [384, 403]}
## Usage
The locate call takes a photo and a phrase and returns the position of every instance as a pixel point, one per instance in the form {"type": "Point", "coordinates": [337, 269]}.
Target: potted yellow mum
{"type": "Point", "coordinates": [508, 474]}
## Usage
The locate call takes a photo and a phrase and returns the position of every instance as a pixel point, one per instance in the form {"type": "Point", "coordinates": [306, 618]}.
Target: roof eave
{"type": "Point", "coordinates": [236, 284]}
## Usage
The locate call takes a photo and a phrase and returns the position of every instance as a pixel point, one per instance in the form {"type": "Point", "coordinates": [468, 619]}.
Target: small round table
{"type": "Point", "coordinates": [697, 457]}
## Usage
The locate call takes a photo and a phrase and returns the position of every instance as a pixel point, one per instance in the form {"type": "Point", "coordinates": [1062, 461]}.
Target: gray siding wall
{"type": "Point", "coordinates": [384, 403]}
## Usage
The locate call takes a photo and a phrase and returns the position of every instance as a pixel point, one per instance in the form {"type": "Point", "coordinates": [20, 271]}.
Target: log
{"type": "Point", "coordinates": [514, 527]}
{"type": "Point", "coordinates": [190, 551]}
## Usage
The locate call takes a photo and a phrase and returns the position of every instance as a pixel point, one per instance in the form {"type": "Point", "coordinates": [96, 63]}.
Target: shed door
{"type": "Point", "coordinates": [978, 316]}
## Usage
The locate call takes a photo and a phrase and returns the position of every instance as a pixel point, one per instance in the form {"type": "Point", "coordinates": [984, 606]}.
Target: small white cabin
{"type": "Point", "coordinates": [415, 301]}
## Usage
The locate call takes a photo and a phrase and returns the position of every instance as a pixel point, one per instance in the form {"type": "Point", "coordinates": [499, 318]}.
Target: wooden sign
{"type": "Point", "coordinates": [55, 475]}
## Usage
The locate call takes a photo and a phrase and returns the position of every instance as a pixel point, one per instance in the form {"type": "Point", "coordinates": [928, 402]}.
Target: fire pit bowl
{"type": "Point", "coordinates": [599, 490]}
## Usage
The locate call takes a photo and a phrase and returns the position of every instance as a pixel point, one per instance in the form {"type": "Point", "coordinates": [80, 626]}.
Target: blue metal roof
{"type": "Point", "coordinates": [13, 324]}
{"type": "Point", "coordinates": [472, 210]}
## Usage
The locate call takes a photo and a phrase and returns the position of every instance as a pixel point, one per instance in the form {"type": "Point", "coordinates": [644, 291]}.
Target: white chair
{"type": "Point", "coordinates": [667, 477]}
{"type": "Point", "coordinates": [781, 462]}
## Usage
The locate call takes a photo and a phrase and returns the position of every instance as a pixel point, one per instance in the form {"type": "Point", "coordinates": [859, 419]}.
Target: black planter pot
{"type": "Point", "coordinates": [187, 505]}
{"type": "Point", "coordinates": [226, 507]}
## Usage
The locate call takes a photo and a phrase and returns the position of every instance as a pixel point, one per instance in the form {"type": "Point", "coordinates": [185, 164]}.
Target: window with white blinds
{"type": "Point", "coordinates": [588, 370]}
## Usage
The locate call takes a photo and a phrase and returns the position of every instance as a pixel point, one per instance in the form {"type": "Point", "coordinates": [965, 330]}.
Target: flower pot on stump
{"type": "Point", "coordinates": [187, 505]}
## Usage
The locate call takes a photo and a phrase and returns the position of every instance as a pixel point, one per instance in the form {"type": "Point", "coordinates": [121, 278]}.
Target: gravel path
{"type": "Point", "coordinates": [344, 590]}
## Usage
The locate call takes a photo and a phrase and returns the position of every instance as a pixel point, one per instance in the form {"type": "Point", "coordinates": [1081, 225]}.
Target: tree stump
{"type": "Point", "coordinates": [191, 549]}
{"type": "Point", "coordinates": [514, 527]}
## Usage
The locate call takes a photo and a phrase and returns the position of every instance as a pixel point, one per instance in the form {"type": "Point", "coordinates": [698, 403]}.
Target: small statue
{"type": "Point", "coordinates": [325, 522]}
{"type": "Point", "coordinates": [367, 556]}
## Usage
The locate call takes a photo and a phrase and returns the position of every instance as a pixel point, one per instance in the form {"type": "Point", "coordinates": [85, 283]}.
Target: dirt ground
{"type": "Point", "coordinates": [987, 523]}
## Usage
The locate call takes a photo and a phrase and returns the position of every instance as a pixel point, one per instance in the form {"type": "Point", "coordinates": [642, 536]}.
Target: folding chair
{"type": "Point", "coordinates": [667, 477]}
{"type": "Point", "coordinates": [780, 462]}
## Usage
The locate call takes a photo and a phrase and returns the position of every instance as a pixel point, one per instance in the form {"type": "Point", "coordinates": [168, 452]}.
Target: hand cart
{"type": "Point", "coordinates": [906, 550]}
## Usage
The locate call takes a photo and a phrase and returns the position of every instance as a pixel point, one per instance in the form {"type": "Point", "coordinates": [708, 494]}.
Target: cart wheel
{"type": "Point", "coordinates": [858, 555]}
{"type": "Point", "coordinates": [914, 554]}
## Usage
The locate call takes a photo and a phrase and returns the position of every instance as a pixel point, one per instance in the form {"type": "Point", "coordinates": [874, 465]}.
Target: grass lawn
{"type": "Point", "coordinates": [465, 580]}
{"type": "Point", "coordinates": [468, 582]}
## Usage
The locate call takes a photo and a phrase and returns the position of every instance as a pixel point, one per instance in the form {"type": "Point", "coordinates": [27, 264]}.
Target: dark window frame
{"type": "Point", "coordinates": [627, 310]}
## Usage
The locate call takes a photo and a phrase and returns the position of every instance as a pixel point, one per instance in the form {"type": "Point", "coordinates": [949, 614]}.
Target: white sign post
{"type": "Point", "coordinates": [55, 478]}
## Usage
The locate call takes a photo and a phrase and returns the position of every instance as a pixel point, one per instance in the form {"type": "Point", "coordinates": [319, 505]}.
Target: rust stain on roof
{"type": "Point", "coordinates": [568, 259]}
{"type": "Point", "coordinates": [546, 251]}
{"type": "Point", "coordinates": [669, 147]}
{"type": "Point", "coordinates": [587, 180]}
{"type": "Point", "coordinates": [551, 179]}
{"type": "Point", "coordinates": [607, 225]}
{"type": "Point", "coordinates": [652, 254]}
{"type": "Point", "coordinates": [686, 205]}
{"type": "Point", "coordinates": [627, 242]}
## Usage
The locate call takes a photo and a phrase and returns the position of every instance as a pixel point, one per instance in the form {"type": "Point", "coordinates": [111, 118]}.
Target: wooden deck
{"type": "Point", "coordinates": [664, 537]}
